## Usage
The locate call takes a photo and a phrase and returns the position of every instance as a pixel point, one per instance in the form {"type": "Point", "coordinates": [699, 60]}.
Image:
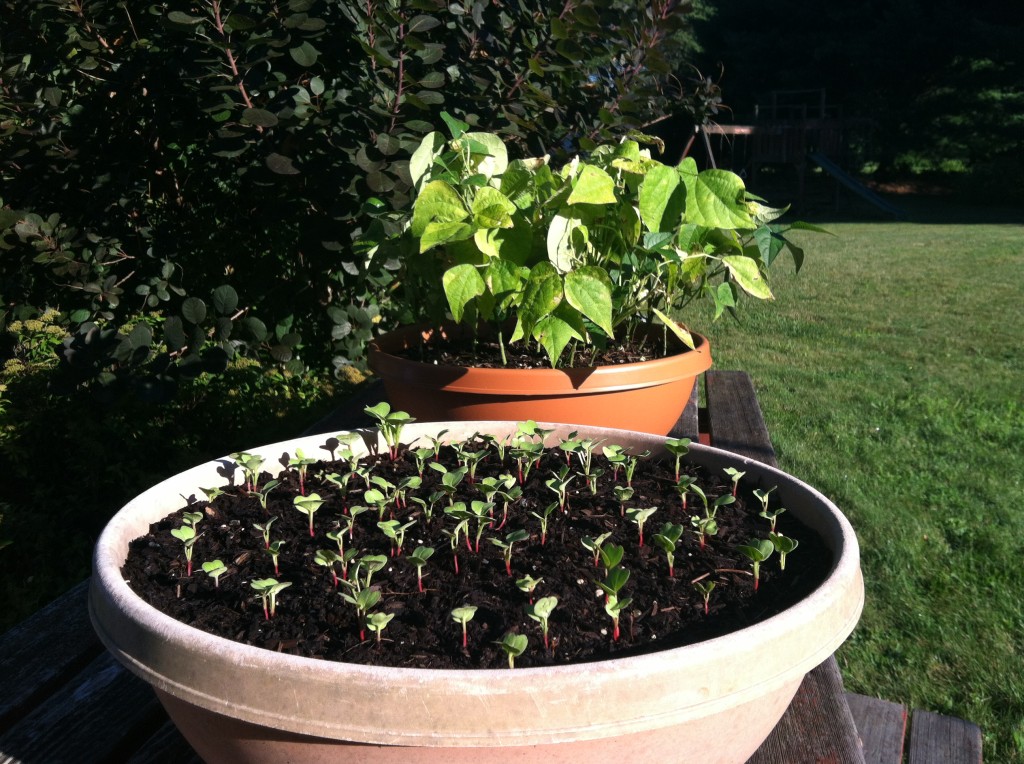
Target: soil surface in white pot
{"type": "Point", "coordinates": [313, 619]}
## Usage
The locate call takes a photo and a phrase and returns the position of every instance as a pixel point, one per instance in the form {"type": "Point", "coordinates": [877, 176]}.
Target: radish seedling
{"type": "Point", "coordinates": [405, 485]}
{"type": "Point", "coordinates": [541, 612]}
{"type": "Point", "coordinates": [308, 505]}
{"type": "Point", "coordinates": [250, 465]}
{"type": "Point", "coordinates": [274, 550]}
{"type": "Point", "coordinates": [569, 446]}
{"type": "Point", "coordinates": [705, 588]}
{"type": "Point", "coordinates": [268, 589]}
{"type": "Point", "coordinates": [186, 534]}
{"type": "Point", "coordinates": [192, 519]}
{"type": "Point", "coordinates": [722, 501]}
{"type": "Point", "coordinates": [772, 517]}
{"type": "Point", "coordinates": [212, 493]}
{"type": "Point", "coordinates": [592, 478]}
{"type": "Point", "coordinates": [640, 516]}
{"type": "Point", "coordinates": [735, 474]}
{"type": "Point", "coordinates": [530, 429]}
{"type": "Point", "coordinates": [559, 483]}
{"type": "Point", "coordinates": [362, 599]}
{"type": "Point", "coordinates": [616, 456]}
{"type": "Point", "coordinates": [506, 546]}
{"type": "Point", "coordinates": [390, 424]}
{"type": "Point", "coordinates": [594, 545]}
{"type": "Point", "coordinates": [623, 494]}
{"type": "Point", "coordinates": [327, 558]}
{"type": "Point", "coordinates": [686, 484]}
{"type": "Point", "coordinates": [470, 460]}
{"type": "Point", "coordinates": [338, 536]}
{"type": "Point", "coordinates": [396, 532]}
{"type": "Point", "coordinates": [421, 455]}
{"type": "Point", "coordinates": [678, 447]}
{"type": "Point", "coordinates": [614, 580]}
{"type": "Point", "coordinates": [703, 527]}
{"type": "Point", "coordinates": [462, 616]}
{"type": "Point", "coordinates": [419, 558]}
{"type": "Point", "coordinates": [215, 569]}
{"type": "Point", "coordinates": [762, 496]}
{"type": "Point", "coordinates": [783, 545]}
{"type": "Point", "coordinates": [461, 528]}
{"type": "Point", "coordinates": [301, 463]}
{"type": "Point", "coordinates": [527, 584]}
{"type": "Point", "coordinates": [436, 441]}
{"type": "Point", "coordinates": [339, 481]}
{"type": "Point", "coordinates": [481, 512]}
{"type": "Point", "coordinates": [757, 551]}
{"type": "Point", "coordinates": [353, 512]}
{"type": "Point", "coordinates": [362, 471]}
{"type": "Point", "coordinates": [377, 622]}
{"type": "Point", "coordinates": [262, 495]}
{"type": "Point", "coordinates": [585, 453]}
{"type": "Point", "coordinates": [377, 499]}
{"type": "Point", "coordinates": [544, 517]}
{"type": "Point", "coordinates": [450, 480]}
{"type": "Point", "coordinates": [611, 555]}
{"type": "Point", "coordinates": [526, 453]}
{"type": "Point", "coordinates": [346, 558]}
{"type": "Point", "coordinates": [514, 645]}
{"type": "Point", "coordinates": [371, 563]}
{"type": "Point", "coordinates": [667, 538]}
{"type": "Point", "coordinates": [265, 530]}
{"type": "Point", "coordinates": [631, 464]}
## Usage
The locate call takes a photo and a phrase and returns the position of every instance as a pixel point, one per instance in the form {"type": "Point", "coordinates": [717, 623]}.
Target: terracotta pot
{"type": "Point", "coordinates": [647, 396]}
{"type": "Point", "coordinates": [714, 701]}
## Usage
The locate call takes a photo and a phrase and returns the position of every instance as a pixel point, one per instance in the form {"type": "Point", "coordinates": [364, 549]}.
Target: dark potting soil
{"type": "Point", "coordinates": [484, 352]}
{"type": "Point", "coordinates": [312, 618]}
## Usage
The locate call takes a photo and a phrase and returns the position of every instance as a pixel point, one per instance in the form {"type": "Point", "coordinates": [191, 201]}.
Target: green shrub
{"type": "Point", "coordinates": [206, 166]}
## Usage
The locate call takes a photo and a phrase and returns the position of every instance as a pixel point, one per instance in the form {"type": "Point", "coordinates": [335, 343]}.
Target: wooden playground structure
{"type": "Point", "coordinates": [795, 128]}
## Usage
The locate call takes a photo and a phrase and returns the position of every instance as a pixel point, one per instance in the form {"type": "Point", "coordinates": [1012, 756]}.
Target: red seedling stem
{"type": "Point", "coordinates": [455, 559]}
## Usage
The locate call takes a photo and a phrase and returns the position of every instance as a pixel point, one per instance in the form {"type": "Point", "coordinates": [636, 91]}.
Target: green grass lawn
{"type": "Point", "coordinates": [891, 374]}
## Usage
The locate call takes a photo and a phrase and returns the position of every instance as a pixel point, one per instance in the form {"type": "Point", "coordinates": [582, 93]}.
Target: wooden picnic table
{"type": "Point", "coordinates": [64, 699]}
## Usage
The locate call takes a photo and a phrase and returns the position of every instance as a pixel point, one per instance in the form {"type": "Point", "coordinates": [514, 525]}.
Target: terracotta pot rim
{"type": "Point", "coordinates": [147, 649]}
{"type": "Point", "coordinates": [526, 382]}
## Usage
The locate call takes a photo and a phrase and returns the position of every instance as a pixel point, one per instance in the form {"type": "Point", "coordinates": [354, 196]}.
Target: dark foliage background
{"type": "Point", "coordinates": [183, 190]}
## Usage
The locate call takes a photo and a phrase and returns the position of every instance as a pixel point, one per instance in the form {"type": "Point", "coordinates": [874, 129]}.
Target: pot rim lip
{"type": "Point", "coordinates": [684, 364]}
{"type": "Point", "coordinates": [107, 577]}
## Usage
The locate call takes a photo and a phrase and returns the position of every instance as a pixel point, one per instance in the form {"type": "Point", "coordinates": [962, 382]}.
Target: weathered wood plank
{"type": "Point", "coordinates": [882, 726]}
{"type": "Point", "coordinates": [100, 716]}
{"type": "Point", "coordinates": [936, 739]}
{"type": "Point", "coordinates": [686, 426]}
{"type": "Point", "coordinates": [44, 651]}
{"type": "Point", "coordinates": [735, 421]}
{"type": "Point", "coordinates": [817, 727]}
{"type": "Point", "coordinates": [166, 746]}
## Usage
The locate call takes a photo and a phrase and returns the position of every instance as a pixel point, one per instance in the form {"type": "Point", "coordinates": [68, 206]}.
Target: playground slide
{"type": "Point", "coordinates": [854, 185]}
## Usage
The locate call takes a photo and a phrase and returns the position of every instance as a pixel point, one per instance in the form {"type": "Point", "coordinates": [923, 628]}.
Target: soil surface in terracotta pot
{"type": "Point", "coordinates": [484, 352]}
{"type": "Point", "coordinates": [313, 619]}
